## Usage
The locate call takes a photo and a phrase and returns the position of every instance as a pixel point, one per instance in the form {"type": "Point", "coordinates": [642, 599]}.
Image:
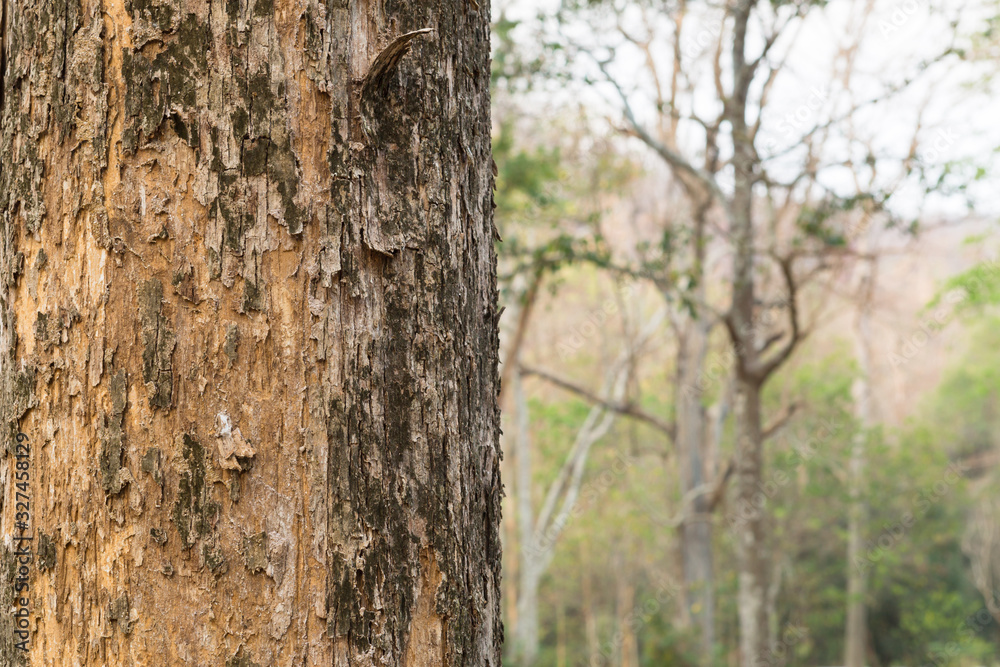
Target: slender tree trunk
{"type": "Point", "coordinates": [855, 639]}
{"type": "Point", "coordinates": [628, 649]}
{"type": "Point", "coordinates": [696, 528]}
{"type": "Point", "coordinates": [526, 628]}
{"type": "Point", "coordinates": [588, 606]}
{"type": "Point", "coordinates": [518, 524]}
{"type": "Point", "coordinates": [750, 522]}
{"type": "Point", "coordinates": [248, 325]}
{"type": "Point", "coordinates": [526, 632]}
{"type": "Point", "coordinates": [510, 535]}
{"type": "Point", "coordinates": [751, 527]}
{"type": "Point", "coordinates": [540, 536]}
{"type": "Point", "coordinates": [561, 634]}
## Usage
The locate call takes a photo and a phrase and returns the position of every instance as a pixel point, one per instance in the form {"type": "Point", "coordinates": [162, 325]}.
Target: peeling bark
{"type": "Point", "coordinates": [219, 222]}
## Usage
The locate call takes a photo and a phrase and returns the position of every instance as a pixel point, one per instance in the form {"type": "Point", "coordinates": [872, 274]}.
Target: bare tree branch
{"type": "Point", "coordinates": [675, 160]}
{"type": "Point", "coordinates": [780, 420]}
{"type": "Point", "coordinates": [560, 499]}
{"type": "Point", "coordinates": [766, 368]}
{"type": "Point", "coordinates": [620, 408]}
{"type": "Point", "coordinates": [719, 489]}
{"type": "Point", "coordinates": [523, 317]}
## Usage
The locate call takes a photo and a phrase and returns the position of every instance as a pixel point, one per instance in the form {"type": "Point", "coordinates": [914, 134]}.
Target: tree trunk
{"type": "Point", "coordinates": [510, 538]}
{"type": "Point", "coordinates": [588, 606]}
{"type": "Point", "coordinates": [561, 634]}
{"type": "Point", "coordinates": [514, 529]}
{"type": "Point", "coordinates": [628, 649]}
{"type": "Point", "coordinates": [751, 527]}
{"type": "Point", "coordinates": [750, 521]}
{"type": "Point", "coordinates": [539, 536]}
{"type": "Point", "coordinates": [855, 632]}
{"type": "Point", "coordinates": [526, 626]}
{"type": "Point", "coordinates": [526, 632]}
{"type": "Point", "coordinates": [696, 528]}
{"type": "Point", "coordinates": [248, 326]}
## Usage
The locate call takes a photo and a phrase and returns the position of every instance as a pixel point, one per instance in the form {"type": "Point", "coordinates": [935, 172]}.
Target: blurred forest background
{"type": "Point", "coordinates": [751, 346]}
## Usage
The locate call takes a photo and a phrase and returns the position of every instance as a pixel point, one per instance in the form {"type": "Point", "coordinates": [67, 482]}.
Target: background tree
{"type": "Point", "coordinates": [712, 134]}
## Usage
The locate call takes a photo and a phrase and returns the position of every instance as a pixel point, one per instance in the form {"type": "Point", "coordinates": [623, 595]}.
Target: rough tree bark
{"type": "Point", "coordinates": [248, 323]}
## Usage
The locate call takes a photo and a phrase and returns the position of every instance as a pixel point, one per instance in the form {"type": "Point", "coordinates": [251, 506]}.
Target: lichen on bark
{"type": "Point", "coordinates": [158, 345]}
{"type": "Point", "coordinates": [114, 477]}
{"type": "Point", "coordinates": [194, 513]}
{"type": "Point", "coordinates": [46, 552]}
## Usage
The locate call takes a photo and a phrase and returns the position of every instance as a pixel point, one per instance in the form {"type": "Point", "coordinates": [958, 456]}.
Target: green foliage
{"type": "Point", "coordinates": [919, 591]}
{"type": "Point", "coordinates": [548, 210]}
{"type": "Point", "coordinates": [511, 67]}
{"type": "Point", "coordinates": [532, 205]}
{"type": "Point", "coordinates": [919, 588]}
{"type": "Point", "coordinates": [922, 608]}
{"type": "Point", "coordinates": [828, 221]}
{"type": "Point", "coordinates": [966, 408]}
{"type": "Point", "coordinates": [807, 497]}
{"type": "Point", "coordinates": [971, 290]}
{"type": "Point", "coordinates": [527, 179]}
{"type": "Point", "coordinates": [668, 645]}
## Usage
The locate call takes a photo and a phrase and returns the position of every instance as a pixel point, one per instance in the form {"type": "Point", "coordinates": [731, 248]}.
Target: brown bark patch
{"type": "Point", "coordinates": [426, 645]}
